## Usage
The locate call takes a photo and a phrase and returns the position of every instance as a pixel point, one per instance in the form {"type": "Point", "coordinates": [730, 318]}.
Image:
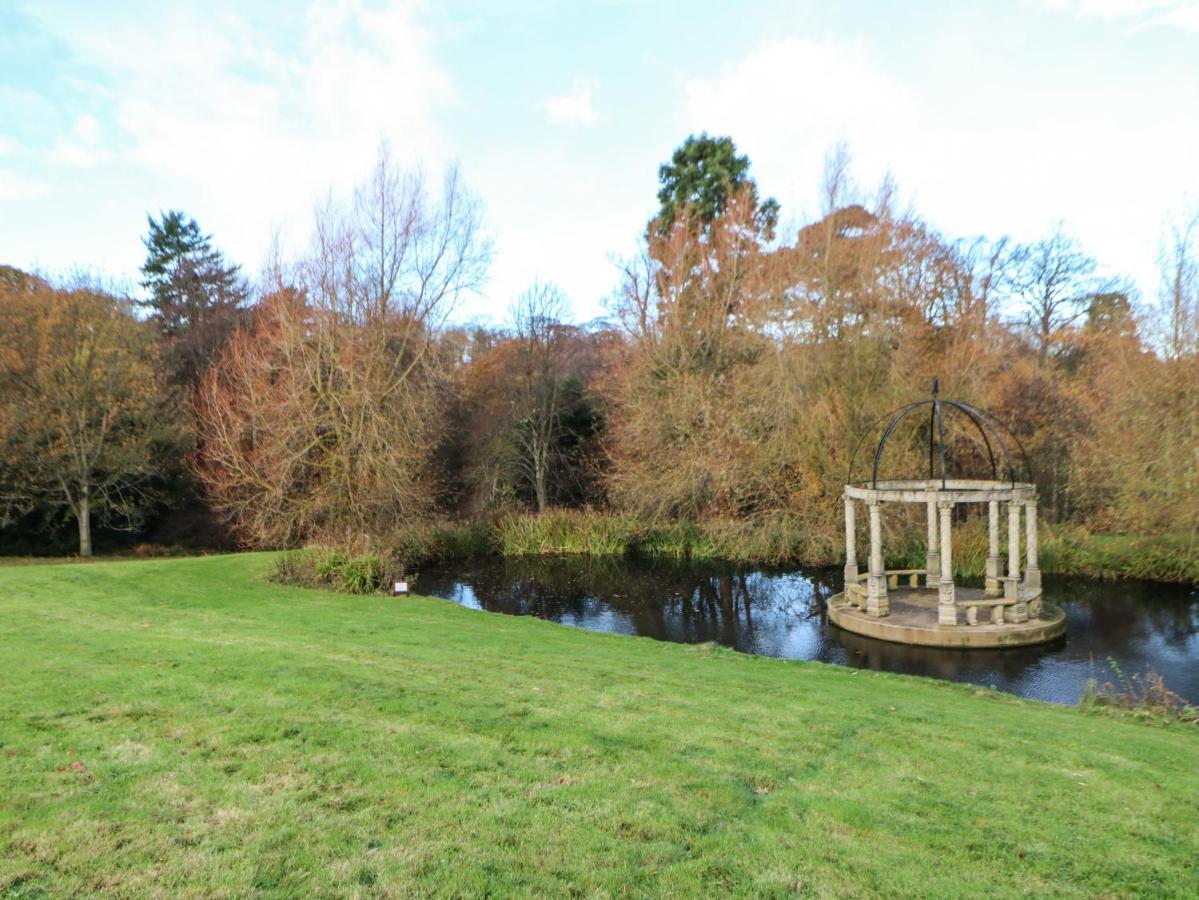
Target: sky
{"type": "Point", "coordinates": [994, 118]}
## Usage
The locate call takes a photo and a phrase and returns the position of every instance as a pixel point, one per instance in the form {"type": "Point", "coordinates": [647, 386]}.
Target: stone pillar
{"type": "Point", "coordinates": [994, 587]}
{"type": "Point", "coordinates": [1032, 570]}
{"type": "Point", "coordinates": [877, 602]}
{"type": "Point", "coordinates": [1019, 611]}
{"type": "Point", "coordinates": [933, 566]}
{"type": "Point", "coordinates": [947, 611]}
{"type": "Point", "coordinates": [851, 548]}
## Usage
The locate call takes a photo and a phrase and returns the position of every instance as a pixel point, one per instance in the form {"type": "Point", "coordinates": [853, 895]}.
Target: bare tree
{"type": "Point", "coordinates": [537, 316]}
{"type": "Point", "coordinates": [1052, 281]}
{"type": "Point", "coordinates": [324, 417]}
{"type": "Point", "coordinates": [1178, 261]}
{"type": "Point", "coordinates": [984, 260]}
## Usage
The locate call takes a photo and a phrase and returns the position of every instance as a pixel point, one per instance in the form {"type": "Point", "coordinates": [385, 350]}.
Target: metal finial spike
{"type": "Point", "coordinates": [936, 386]}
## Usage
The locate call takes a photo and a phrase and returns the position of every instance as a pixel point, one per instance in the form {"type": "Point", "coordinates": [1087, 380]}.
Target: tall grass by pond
{"type": "Point", "coordinates": [1063, 550]}
{"type": "Point", "coordinates": [1140, 696]}
{"type": "Point", "coordinates": [1066, 550]}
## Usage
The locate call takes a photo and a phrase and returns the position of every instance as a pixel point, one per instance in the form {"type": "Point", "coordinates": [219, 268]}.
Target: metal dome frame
{"type": "Point", "coordinates": [982, 422]}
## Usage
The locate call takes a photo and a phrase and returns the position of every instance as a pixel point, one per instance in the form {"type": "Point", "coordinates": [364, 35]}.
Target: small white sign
{"type": "Point", "coordinates": [401, 587]}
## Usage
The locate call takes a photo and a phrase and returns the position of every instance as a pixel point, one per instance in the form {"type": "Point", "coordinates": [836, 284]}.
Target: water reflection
{"type": "Point", "coordinates": [780, 612]}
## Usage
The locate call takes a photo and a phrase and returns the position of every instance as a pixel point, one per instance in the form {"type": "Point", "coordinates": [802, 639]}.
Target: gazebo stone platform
{"type": "Point", "coordinates": [925, 606]}
{"type": "Point", "coordinates": [914, 618]}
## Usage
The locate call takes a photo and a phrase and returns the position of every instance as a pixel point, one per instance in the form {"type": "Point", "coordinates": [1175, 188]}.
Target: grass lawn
{"type": "Point", "coordinates": [182, 727]}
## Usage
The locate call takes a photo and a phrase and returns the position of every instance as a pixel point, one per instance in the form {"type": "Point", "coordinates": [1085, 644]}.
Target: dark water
{"type": "Point", "coordinates": [780, 612]}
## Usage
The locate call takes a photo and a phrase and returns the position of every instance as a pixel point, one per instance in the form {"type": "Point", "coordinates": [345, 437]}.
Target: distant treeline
{"type": "Point", "coordinates": [330, 401]}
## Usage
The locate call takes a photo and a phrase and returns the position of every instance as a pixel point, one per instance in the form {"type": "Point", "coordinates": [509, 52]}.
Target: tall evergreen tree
{"type": "Point", "coordinates": [701, 176]}
{"type": "Point", "coordinates": [196, 298]}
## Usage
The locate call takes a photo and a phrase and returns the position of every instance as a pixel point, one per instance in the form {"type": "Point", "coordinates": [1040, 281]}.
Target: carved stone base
{"type": "Point", "coordinates": [1032, 577]}
{"type": "Point", "coordinates": [877, 602]}
{"type": "Point", "coordinates": [947, 611]}
{"type": "Point", "coordinates": [1018, 613]}
{"type": "Point", "coordinates": [1011, 589]}
{"type": "Point", "coordinates": [994, 587]}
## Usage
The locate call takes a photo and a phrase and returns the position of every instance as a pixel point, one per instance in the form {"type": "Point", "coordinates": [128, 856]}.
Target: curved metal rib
{"type": "Point", "coordinates": [865, 434]}
{"type": "Point", "coordinates": [887, 434]}
{"type": "Point", "coordinates": [1028, 469]}
{"type": "Point", "coordinates": [982, 432]}
{"type": "Point", "coordinates": [983, 418]}
{"type": "Point", "coordinates": [997, 426]}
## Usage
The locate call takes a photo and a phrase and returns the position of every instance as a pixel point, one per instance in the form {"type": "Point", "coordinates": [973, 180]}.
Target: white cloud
{"type": "Point", "coordinates": [14, 187]}
{"type": "Point", "coordinates": [1000, 154]}
{"type": "Point", "coordinates": [81, 148]}
{"type": "Point", "coordinates": [788, 101]}
{"type": "Point", "coordinates": [573, 108]}
{"type": "Point", "coordinates": [1183, 14]}
{"type": "Point", "coordinates": [256, 121]}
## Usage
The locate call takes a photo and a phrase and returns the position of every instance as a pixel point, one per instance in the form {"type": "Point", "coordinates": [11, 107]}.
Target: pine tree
{"type": "Point", "coordinates": [196, 298]}
{"type": "Point", "coordinates": [701, 176]}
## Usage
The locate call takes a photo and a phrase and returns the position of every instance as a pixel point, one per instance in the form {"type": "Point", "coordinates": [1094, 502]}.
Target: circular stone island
{"type": "Point", "coordinates": [925, 606]}
{"type": "Point", "coordinates": [913, 618]}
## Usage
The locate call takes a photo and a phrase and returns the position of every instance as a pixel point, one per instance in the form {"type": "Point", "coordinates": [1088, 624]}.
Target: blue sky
{"type": "Point", "coordinates": [993, 117]}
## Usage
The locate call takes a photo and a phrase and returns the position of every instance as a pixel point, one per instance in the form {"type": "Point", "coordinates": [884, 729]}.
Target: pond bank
{"type": "Point", "coordinates": [1129, 627]}
{"type": "Point", "coordinates": [1064, 550]}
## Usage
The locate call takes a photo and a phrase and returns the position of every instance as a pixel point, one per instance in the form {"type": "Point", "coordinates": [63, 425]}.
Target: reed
{"type": "Point", "coordinates": [1064, 550]}
{"type": "Point", "coordinates": [564, 532]}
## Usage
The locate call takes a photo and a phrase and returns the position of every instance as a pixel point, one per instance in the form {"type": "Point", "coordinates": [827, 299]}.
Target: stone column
{"type": "Point", "coordinates": [877, 602]}
{"type": "Point", "coordinates": [851, 548]}
{"type": "Point", "coordinates": [947, 611]}
{"type": "Point", "coordinates": [1011, 587]}
{"type": "Point", "coordinates": [994, 587]}
{"type": "Point", "coordinates": [933, 566]}
{"type": "Point", "coordinates": [1032, 570]}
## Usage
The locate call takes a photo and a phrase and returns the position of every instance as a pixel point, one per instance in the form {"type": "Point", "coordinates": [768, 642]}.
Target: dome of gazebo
{"type": "Point", "coordinates": [997, 440]}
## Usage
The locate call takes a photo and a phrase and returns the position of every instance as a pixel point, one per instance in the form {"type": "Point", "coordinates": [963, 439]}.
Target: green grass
{"type": "Point", "coordinates": [184, 728]}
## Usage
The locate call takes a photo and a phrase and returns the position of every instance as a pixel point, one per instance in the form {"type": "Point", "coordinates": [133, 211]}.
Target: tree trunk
{"type": "Point", "coordinates": [540, 479]}
{"type": "Point", "coordinates": [85, 524]}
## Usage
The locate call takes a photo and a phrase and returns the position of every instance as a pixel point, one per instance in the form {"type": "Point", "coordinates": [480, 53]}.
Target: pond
{"type": "Point", "coordinates": [779, 611]}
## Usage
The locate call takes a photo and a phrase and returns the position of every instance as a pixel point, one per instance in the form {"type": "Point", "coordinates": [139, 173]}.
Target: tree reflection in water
{"type": "Point", "coordinates": [779, 612]}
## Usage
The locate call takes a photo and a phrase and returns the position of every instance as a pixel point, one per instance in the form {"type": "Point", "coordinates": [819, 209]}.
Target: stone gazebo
{"type": "Point", "coordinates": [924, 606]}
